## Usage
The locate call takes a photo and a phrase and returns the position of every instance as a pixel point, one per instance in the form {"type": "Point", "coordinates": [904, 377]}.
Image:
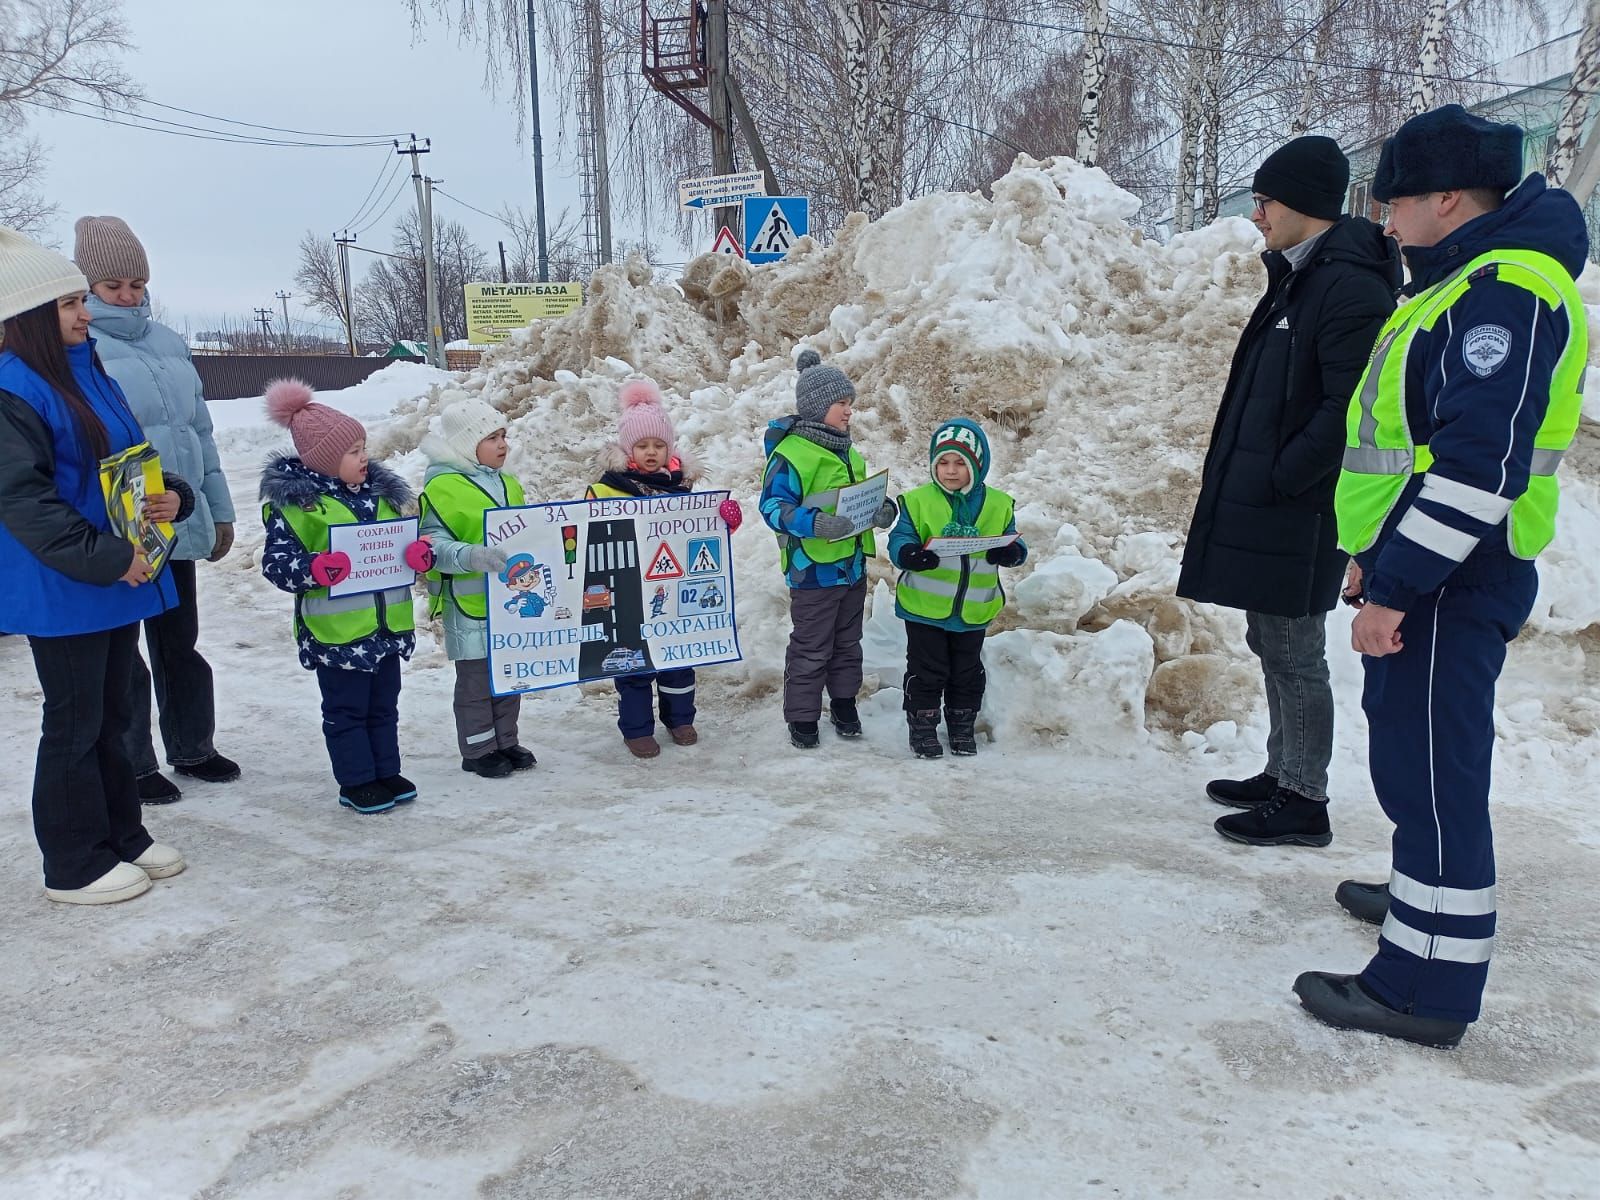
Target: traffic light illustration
{"type": "Point", "coordinates": [569, 546]}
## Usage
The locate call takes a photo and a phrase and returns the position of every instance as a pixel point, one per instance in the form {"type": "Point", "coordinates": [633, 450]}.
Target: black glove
{"type": "Point", "coordinates": [913, 557]}
{"type": "Point", "coordinates": [1007, 556]}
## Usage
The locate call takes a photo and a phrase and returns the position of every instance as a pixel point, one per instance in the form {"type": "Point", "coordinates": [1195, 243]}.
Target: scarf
{"type": "Point", "coordinates": [641, 483]}
{"type": "Point", "coordinates": [825, 436]}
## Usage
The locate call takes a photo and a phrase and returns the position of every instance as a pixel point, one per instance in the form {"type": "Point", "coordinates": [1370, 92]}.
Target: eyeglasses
{"type": "Point", "coordinates": [1259, 204]}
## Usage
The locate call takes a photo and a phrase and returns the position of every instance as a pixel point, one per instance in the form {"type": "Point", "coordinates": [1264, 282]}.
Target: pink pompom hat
{"type": "Point", "coordinates": [643, 416]}
{"type": "Point", "coordinates": [322, 435]}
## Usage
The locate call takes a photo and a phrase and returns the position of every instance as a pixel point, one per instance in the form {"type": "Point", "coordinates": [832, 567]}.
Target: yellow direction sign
{"type": "Point", "coordinates": [495, 310]}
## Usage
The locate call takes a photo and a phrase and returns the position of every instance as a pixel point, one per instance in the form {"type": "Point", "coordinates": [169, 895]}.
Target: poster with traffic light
{"type": "Point", "coordinates": [594, 589]}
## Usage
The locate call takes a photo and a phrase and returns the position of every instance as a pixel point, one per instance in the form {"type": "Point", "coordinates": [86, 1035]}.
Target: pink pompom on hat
{"type": "Point", "coordinates": [643, 416]}
{"type": "Point", "coordinates": [322, 435]}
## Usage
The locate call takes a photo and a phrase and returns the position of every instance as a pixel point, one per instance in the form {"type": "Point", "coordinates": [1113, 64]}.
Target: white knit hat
{"type": "Point", "coordinates": [465, 423]}
{"type": "Point", "coordinates": [30, 275]}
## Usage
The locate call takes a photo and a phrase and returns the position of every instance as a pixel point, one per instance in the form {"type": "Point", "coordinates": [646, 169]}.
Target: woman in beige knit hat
{"type": "Point", "coordinates": [67, 581]}
{"type": "Point", "coordinates": [151, 363]}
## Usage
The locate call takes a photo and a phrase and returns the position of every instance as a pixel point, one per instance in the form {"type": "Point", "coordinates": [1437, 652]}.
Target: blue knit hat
{"type": "Point", "coordinates": [1447, 149]}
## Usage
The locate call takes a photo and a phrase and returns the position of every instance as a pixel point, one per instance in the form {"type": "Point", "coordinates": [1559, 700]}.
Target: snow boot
{"type": "Point", "coordinates": [492, 765]}
{"type": "Point", "coordinates": [520, 758]}
{"type": "Point", "coordinates": [215, 769]}
{"type": "Point", "coordinates": [158, 789]}
{"type": "Point", "coordinates": [846, 720]}
{"type": "Point", "coordinates": [1243, 793]}
{"type": "Point", "coordinates": [401, 788]}
{"type": "Point", "coordinates": [958, 725]}
{"type": "Point", "coordinates": [804, 735]}
{"type": "Point", "coordinates": [123, 882]}
{"type": "Point", "coordinates": [367, 798]}
{"type": "Point", "coordinates": [684, 735]}
{"type": "Point", "coordinates": [1288, 819]}
{"type": "Point", "coordinates": [643, 747]}
{"type": "Point", "coordinates": [924, 727]}
{"type": "Point", "coordinates": [1341, 1001]}
{"type": "Point", "coordinates": [160, 862]}
{"type": "Point", "coordinates": [1367, 902]}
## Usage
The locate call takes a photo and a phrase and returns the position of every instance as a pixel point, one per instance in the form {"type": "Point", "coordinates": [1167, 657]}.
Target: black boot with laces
{"type": "Point", "coordinates": [1288, 819]}
{"type": "Point", "coordinates": [1243, 793]}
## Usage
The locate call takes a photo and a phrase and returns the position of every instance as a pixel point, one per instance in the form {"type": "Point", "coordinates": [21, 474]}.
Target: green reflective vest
{"type": "Point", "coordinates": [460, 503]}
{"type": "Point", "coordinates": [338, 621]}
{"type": "Point", "coordinates": [1380, 452]}
{"type": "Point", "coordinates": [964, 581]}
{"type": "Point", "coordinates": [822, 473]}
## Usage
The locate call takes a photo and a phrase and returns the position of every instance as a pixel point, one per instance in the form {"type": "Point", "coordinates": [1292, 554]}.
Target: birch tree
{"type": "Point", "coordinates": [1094, 77]}
{"type": "Point", "coordinates": [1428, 57]}
{"type": "Point", "coordinates": [1580, 94]}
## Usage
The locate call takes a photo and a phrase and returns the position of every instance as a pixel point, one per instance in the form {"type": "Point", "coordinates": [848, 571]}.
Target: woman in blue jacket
{"type": "Point", "coordinates": [73, 587]}
{"type": "Point", "coordinates": [151, 365]}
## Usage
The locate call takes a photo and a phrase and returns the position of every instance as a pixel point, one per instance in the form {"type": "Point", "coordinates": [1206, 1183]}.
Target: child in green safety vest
{"type": "Point", "coordinates": [465, 479]}
{"type": "Point", "coordinates": [810, 458]}
{"type": "Point", "coordinates": [354, 643]}
{"type": "Point", "coordinates": [947, 600]}
{"type": "Point", "coordinates": [646, 460]}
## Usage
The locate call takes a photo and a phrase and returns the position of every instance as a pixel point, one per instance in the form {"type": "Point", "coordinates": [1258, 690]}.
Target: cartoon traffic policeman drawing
{"type": "Point", "coordinates": [532, 584]}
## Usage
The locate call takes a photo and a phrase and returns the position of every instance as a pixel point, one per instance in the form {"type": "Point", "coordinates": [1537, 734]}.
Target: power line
{"type": "Point", "coordinates": [1236, 52]}
{"type": "Point", "coordinates": [385, 177]}
{"type": "Point", "coordinates": [498, 220]}
{"type": "Point", "coordinates": [399, 188]}
{"type": "Point", "coordinates": [196, 132]}
{"type": "Point", "coordinates": [252, 125]}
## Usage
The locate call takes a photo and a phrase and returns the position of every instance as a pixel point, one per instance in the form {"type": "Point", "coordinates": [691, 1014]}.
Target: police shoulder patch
{"type": "Point", "coordinates": [1485, 349]}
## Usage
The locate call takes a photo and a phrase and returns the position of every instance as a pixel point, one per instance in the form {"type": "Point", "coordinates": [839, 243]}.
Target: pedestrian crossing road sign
{"type": "Point", "coordinates": [664, 565]}
{"type": "Point", "coordinates": [773, 224]}
{"type": "Point", "coordinates": [705, 556]}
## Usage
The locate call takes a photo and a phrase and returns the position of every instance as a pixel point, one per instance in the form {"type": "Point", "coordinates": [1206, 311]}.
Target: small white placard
{"type": "Point", "coordinates": [949, 546]}
{"type": "Point", "coordinates": [859, 503]}
{"type": "Point", "coordinates": [377, 551]}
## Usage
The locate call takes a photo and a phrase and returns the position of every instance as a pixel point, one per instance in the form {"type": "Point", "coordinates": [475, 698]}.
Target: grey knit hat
{"type": "Point", "coordinates": [107, 249]}
{"type": "Point", "coordinates": [819, 387]}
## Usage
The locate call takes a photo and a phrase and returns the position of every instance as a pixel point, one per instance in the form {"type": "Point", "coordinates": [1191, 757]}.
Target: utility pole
{"type": "Point", "coordinates": [430, 270]}
{"type": "Point", "coordinates": [538, 150]}
{"type": "Point", "coordinates": [505, 275]}
{"type": "Point", "coordinates": [264, 318]}
{"type": "Point", "coordinates": [344, 278]}
{"type": "Point", "coordinates": [721, 122]}
{"type": "Point", "coordinates": [283, 299]}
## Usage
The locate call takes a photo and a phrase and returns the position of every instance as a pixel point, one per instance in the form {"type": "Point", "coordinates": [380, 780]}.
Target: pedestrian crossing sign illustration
{"type": "Point", "coordinates": [663, 564]}
{"type": "Point", "coordinates": [705, 556]}
{"type": "Point", "coordinates": [773, 224]}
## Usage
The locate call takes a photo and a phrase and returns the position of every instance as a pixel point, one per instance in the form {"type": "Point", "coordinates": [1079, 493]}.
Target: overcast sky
{"type": "Point", "coordinates": [221, 222]}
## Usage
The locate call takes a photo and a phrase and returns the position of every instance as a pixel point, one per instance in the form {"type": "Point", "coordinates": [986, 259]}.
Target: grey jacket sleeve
{"type": "Point", "coordinates": [37, 515]}
{"type": "Point", "coordinates": [214, 485]}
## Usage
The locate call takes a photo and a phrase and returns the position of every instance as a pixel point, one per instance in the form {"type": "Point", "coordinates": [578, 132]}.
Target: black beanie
{"type": "Point", "coordinates": [1309, 175]}
{"type": "Point", "coordinates": [1446, 149]}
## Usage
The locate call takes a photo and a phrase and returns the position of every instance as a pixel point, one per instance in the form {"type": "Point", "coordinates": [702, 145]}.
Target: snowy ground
{"type": "Point", "coordinates": [740, 972]}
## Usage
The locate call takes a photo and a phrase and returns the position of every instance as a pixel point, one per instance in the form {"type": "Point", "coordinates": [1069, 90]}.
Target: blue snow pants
{"type": "Point", "coordinates": [1430, 709]}
{"type": "Point", "coordinates": [636, 708]}
{"type": "Point", "coordinates": [361, 721]}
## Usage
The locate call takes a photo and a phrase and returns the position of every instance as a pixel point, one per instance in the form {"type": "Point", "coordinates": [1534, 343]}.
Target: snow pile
{"type": "Point", "coordinates": [1095, 359]}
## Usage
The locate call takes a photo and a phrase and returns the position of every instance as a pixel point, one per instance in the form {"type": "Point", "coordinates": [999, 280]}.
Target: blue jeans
{"type": "Point", "coordinates": [1294, 662]}
{"type": "Point", "coordinates": [361, 721]}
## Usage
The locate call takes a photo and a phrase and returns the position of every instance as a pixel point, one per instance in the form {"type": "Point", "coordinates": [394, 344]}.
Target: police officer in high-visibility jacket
{"type": "Point", "coordinates": [1447, 495]}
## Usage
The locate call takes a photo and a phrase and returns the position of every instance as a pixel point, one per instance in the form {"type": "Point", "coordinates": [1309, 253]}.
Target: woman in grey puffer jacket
{"type": "Point", "coordinates": [151, 364]}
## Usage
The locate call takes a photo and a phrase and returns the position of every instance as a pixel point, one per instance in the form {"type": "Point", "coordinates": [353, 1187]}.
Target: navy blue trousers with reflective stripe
{"type": "Point", "coordinates": [636, 710]}
{"type": "Point", "coordinates": [361, 721]}
{"type": "Point", "coordinates": [1430, 712]}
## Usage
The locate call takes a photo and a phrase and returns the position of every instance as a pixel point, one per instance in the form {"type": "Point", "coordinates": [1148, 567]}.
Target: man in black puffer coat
{"type": "Point", "coordinates": [1263, 538]}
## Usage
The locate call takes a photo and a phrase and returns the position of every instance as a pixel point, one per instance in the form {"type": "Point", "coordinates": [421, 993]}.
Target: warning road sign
{"type": "Point", "coordinates": [664, 564]}
{"type": "Point", "coordinates": [726, 243]}
{"type": "Point", "coordinates": [773, 224]}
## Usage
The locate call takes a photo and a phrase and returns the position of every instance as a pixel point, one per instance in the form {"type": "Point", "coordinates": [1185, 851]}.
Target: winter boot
{"type": "Point", "coordinates": [1341, 1001]}
{"type": "Point", "coordinates": [924, 727]}
{"type": "Point", "coordinates": [123, 882]}
{"type": "Point", "coordinates": [958, 725]}
{"type": "Point", "coordinates": [401, 788]}
{"type": "Point", "coordinates": [215, 769]}
{"type": "Point", "coordinates": [683, 735]}
{"type": "Point", "coordinates": [520, 758]}
{"type": "Point", "coordinates": [160, 862]}
{"type": "Point", "coordinates": [643, 747]}
{"type": "Point", "coordinates": [1367, 902]}
{"type": "Point", "coordinates": [492, 765]}
{"type": "Point", "coordinates": [1288, 819]}
{"type": "Point", "coordinates": [158, 789]}
{"type": "Point", "coordinates": [367, 798]}
{"type": "Point", "coordinates": [1243, 793]}
{"type": "Point", "coordinates": [804, 735]}
{"type": "Point", "coordinates": [846, 720]}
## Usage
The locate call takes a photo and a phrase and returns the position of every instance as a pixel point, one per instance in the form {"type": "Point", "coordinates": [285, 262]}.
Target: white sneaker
{"type": "Point", "coordinates": [123, 882]}
{"type": "Point", "coordinates": [160, 862]}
